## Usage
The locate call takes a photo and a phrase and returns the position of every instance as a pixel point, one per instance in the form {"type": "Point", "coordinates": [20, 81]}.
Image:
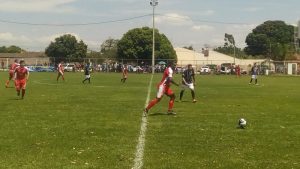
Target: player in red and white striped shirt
{"type": "Point", "coordinates": [11, 72]}
{"type": "Point", "coordinates": [60, 71]}
{"type": "Point", "coordinates": [21, 76]}
{"type": "Point", "coordinates": [164, 88]}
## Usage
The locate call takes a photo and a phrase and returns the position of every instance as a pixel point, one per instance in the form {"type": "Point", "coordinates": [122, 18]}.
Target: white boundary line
{"type": "Point", "coordinates": [139, 154]}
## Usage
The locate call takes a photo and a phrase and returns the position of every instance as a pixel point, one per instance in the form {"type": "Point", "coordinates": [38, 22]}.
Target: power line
{"type": "Point", "coordinates": [121, 20]}
{"type": "Point", "coordinates": [73, 24]}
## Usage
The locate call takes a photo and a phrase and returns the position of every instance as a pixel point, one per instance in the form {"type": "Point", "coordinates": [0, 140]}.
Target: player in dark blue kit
{"type": "Point", "coordinates": [254, 73]}
{"type": "Point", "coordinates": [188, 81]}
{"type": "Point", "coordinates": [87, 73]}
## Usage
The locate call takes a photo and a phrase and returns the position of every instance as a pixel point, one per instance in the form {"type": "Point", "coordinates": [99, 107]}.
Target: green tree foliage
{"type": "Point", "coordinates": [189, 47]}
{"type": "Point", "coordinates": [67, 46]}
{"type": "Point", "coordinates": [10, 49]}
{"type": "Point", "coordinates": [271, 39]}
{"type": "Point", "coordinates": [137, 44]}
{"type": "Point", "coordinates": [229, 46]}
{"type": "Point", "coordinates": [109, 48]}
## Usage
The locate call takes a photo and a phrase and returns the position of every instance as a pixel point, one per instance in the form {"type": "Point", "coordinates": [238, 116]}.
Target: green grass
{"type": "Point", "coordinates": [72, 126]}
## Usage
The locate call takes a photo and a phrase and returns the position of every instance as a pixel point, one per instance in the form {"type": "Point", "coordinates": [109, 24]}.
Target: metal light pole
{"type": "Point", "coordinates": [153, 3]}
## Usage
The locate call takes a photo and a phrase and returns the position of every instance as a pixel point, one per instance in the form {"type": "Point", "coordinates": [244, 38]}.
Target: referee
{"type": "Point", "coordinates": [188, 81]}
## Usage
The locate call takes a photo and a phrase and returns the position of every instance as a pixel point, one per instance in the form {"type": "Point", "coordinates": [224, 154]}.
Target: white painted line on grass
{"type": "Point", "coordinates": [139, 154]}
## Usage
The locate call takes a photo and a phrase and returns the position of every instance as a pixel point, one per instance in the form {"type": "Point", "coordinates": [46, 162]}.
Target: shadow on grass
{"type": "Point", "coordinates": [158, 114]}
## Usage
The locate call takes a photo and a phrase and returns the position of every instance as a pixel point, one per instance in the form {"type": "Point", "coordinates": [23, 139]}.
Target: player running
{"type": "Point", "coordinates": [22, 76]}
{"type": "Point", "coordinates": [87, 73]}
{"type": "Point", "coordinates": [60, 70]}
{"type": "Point", "coordinates": [188, 81]}
{"type": "Point", "coordinates": [254, 73]}
{"type": "Point", "coordinates": [11, 72]}
{"type": "Point", "coordinates": [164, 88]}
{"type": "Point", "coordinates": [124, 73]}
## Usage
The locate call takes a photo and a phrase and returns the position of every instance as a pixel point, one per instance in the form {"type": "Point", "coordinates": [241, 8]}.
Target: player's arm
{"type": "Point", "coordinates": [172, 81]}
{"type": "Point", "coordinates": [27, 75]}
{"type": "Point", "coordinates": [183, 79]}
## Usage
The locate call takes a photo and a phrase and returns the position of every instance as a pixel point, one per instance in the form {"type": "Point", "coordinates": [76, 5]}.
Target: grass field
{"type": "Point", "coordinates": [69, 125]}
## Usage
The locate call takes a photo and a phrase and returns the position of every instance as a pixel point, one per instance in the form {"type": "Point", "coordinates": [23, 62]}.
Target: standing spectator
{"type": "Point", "coordinates": [2, 64]}
{"type": "Point", "coordinates": [238, 71]}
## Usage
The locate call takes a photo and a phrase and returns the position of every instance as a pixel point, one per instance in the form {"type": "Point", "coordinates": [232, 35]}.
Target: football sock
{"type": "Point", "coordinates": [152, 103]}
{"type": "Point", "coordinates": [23, 93]}
{"type": "Point", "coordinates": [181, 94]}
{"type": "Point", "coordinates": [251, 80]}
{"type": "Point", "coordinates": [18, 92]}
{"type": "Point", "coordinates": [255, 81]}
{"type": "Point", "coordinates": [193, 94]}
{"type": "Point", "coordinates": [171, 104]}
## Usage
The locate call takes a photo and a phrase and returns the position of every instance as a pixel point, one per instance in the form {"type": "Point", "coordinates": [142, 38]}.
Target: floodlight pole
{"type": "Point", "coordinates": [153, 3]}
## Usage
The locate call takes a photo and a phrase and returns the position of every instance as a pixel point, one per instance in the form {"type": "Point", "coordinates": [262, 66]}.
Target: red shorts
{"type": "Point", "coordinates": [162, 89]}
{"type": "Point", "coordinates": [20, 84]}
{"type": "Point", "coordinates": [11, 74]}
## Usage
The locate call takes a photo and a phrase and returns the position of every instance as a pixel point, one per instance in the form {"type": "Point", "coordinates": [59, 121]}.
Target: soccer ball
{"type": "Point", "coordinates": [242, 123]}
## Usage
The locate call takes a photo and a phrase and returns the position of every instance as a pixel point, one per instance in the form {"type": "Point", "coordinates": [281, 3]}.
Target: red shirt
{"type": "Point", "coordinates": [168, 73]}
{"type": "Point", "coordinates": [125, 71]}
{"type": "Point", "coordinates": [21, 73]}
{"type": "Point", "coordinates": [60, 68]}
{"type": "Point", "coordinates": [14, 66]}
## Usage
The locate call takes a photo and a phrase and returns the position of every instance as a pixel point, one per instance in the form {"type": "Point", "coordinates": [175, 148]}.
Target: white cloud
{"type": "Point", "coordinates": [203, 28]}
{"type": "Point", "coordinates": [9, 37]}
{"type": "Point", "coordinates": [36, 6]}
{"type": "Point", "coordinates": [173, 18]}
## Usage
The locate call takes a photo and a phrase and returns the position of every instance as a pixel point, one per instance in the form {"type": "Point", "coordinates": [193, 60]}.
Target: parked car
{"type": "Point", "coordinates": [205, 70]}
{"type": "Point", "coordinates": [69, 67]}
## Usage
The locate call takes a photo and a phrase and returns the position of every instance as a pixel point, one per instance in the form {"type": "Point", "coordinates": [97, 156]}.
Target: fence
{"type": "Point", "coordinates": [137, 65]}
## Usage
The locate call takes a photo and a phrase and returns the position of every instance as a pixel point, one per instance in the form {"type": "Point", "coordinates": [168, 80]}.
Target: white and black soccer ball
{"type": "Point", "coordinates": [242, 123]}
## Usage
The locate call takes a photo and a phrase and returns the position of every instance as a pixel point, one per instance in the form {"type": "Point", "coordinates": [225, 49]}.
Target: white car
{"type": "Point", "coordinates": [69, 67]}
{"type": "Point", "coordinates": [205, 70]}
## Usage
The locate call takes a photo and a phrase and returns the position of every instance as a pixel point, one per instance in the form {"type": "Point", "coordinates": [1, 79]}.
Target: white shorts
{"type": "Point", "coordinates": [87, 76]}
{"type": "Point", "coordinates": [254, 77]}
{"type": "Point", "coordinates": [189, 86]}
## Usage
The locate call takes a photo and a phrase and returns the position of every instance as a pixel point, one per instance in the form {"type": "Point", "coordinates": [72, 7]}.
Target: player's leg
{"type": "Point", "coordinates": [89, 78]}
{"type": "Point", "coordinates": [170, 93]}
{"type": "Point", "coordinates": [23, 87]}
{"type": "Point", "coordinates": [10, 77]}
{"type": "Point", "coordinates": [153, 102]}
{"type": "Point", "coordinates": [192, 88]}
{"type": "Point", "coordinates": [58, 75]}
{"type": "Point", "coordinates": [256, 80]}
{"type": "Point", "coordinates": [181, 92]}
{"type": "Point", "coordinates": [251, 80]}
{"type": "Point", "coordinates": [18, 87]}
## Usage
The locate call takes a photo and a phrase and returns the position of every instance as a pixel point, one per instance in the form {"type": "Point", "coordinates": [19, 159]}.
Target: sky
{"type": "Point", "coordinates": [184, 22]}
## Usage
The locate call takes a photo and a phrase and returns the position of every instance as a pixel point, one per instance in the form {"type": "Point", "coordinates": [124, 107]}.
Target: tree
{"type": "Point", "coordinates": [137, 44]}
{"type": "Point", "coordinates": [10, 49]}
{"type": "Point", "coordinates": [67, 46]}
{"type": "Point", "coordinates": [189, 47]}
{"type": "Point", "coordinates": [109, 48]}
{"type": "Point", "coordinates": [271, 39]}
{"type": "Point", "coordinates": [229, 47]}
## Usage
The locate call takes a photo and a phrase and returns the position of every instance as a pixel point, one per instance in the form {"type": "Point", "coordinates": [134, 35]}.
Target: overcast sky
{"type": "Point", "coordinates": [185, 22]}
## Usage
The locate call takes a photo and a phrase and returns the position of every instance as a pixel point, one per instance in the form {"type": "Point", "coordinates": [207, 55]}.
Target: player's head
{"type": "Point", "coordinates": [190, 66]}
{"type": "Point", "coordinates": [22, 63]}
{"type": "Point", "coordinates": [16, 61]}
{"type": "Point", "coordinates": [171, 64]}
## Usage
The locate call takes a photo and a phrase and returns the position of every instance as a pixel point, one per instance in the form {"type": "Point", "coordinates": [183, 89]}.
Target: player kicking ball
{"type": "Point", "coordinates": [188, 81]}
{"type": "Point", "coordinates": [11, 72]}
{"type": "Point", "coordinates": [124, 74]}
{"type": "Point", "coordinates": [87, 73]}
{"type": "Point", "coordinates": [164, 88]}
{"type": "Point", "coordinates": [60, 70]}
{"type": "Point", "coordinates": [22, 76]}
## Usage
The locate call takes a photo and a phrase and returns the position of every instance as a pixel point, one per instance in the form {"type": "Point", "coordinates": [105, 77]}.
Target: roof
{"type": "Point", "coordinates": [185, 56]}
{"type": "Point", "coordinates": [23, 55]}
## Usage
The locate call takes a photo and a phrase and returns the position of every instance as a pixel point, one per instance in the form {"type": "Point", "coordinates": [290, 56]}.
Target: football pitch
{"type": "Point", "coordinates": [70, 125]}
